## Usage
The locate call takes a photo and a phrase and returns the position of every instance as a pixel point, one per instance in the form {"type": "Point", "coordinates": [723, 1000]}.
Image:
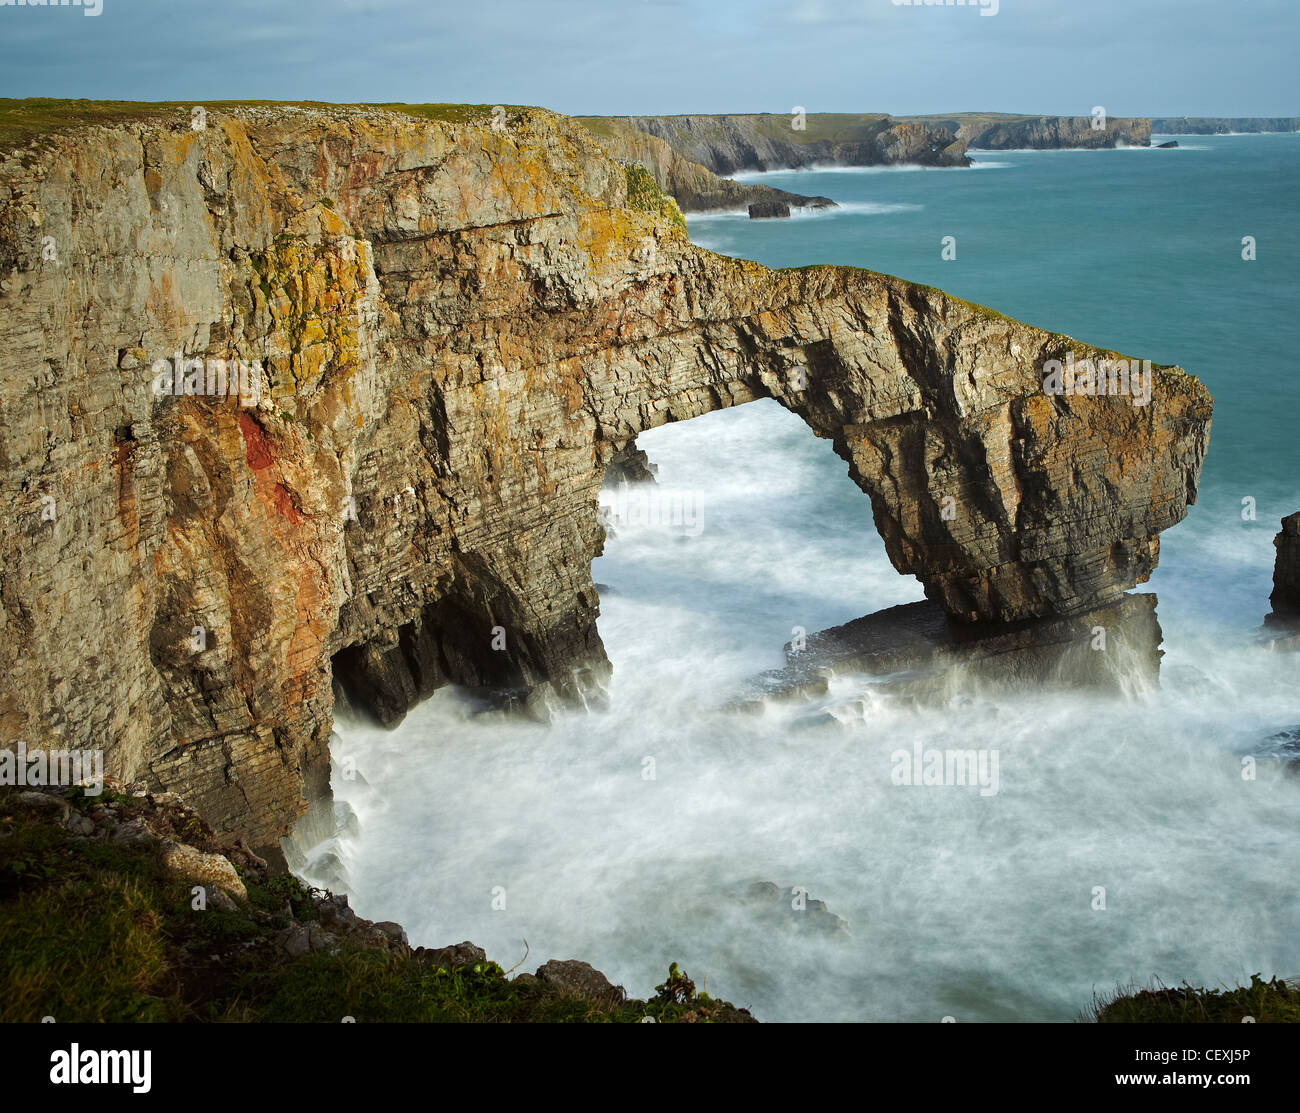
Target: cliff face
{"type": "Point", "coordinates": [726, 144]}
{"type": "Point", "coordinates": [458, 324]}
{"type": "Point", "coordinates": [694, 187]}
{"type": "Point", "coordinates": [1000, 132]}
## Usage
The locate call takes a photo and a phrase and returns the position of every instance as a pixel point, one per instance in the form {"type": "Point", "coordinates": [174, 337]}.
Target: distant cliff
{"type": "Point", "coordinates": [694, 187]}
{"type": "Point", "coordinates": [1000, 131]}
{"type": "Point", "coordinates": [764, 141]}
{"type": "Point", "coordinates": [1222, 125]}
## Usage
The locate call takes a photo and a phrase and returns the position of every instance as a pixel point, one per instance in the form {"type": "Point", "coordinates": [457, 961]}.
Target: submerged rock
{"type": "Point", "coordinates": [329, 869]}
{"type": "Point", "coordinates": [919, 648]}
{"type": "Point", "coordinates": [791, 907]}
{"type": "Point", "coordinates": [1284, 747]}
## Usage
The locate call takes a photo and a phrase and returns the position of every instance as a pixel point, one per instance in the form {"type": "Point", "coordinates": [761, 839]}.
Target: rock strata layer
{"type": "Point", "coordinates": [455, 327]}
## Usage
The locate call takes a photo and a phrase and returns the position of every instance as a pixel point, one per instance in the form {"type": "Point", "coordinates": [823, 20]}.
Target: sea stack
{"type": "Point", "coordinates": [1286, 572]}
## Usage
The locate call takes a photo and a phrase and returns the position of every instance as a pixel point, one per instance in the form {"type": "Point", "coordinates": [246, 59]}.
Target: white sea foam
{"type": "Point", "coordinates": [843, 208]}
{"type": "Point", "coordinates": [836, 168]}
{"type": "Point", "coordinates": [978, 907]}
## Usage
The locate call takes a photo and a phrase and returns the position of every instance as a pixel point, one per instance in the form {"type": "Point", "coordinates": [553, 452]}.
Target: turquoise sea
{"type": "Point", "coordinates": [1123, 843]}
{"type": "Point", "coordinates": [1139, 250]}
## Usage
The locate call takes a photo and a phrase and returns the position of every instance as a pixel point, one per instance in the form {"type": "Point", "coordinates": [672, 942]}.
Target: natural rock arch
{"type": "Point", "coordinates": [460, 326]}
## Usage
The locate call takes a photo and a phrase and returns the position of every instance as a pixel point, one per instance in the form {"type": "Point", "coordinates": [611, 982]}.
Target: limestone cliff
{"type": "Point", "coordinates": [763, 141]}
{"type": "Point", "coordinates": [694, 187]}
{"type": "Point", "coordinates": [457, 322]}
{"type": "Point", "coordinates": [998, 131]}
{"type": "Point", "coordinates": [1223, 125]}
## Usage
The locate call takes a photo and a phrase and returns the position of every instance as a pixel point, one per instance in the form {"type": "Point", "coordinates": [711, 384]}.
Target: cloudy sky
{"type": "Point", "coordinates": [1134, 57]}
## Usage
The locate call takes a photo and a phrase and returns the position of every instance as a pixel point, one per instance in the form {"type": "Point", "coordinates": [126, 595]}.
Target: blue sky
{"type": "Point", "coordinates": [1134, 57]}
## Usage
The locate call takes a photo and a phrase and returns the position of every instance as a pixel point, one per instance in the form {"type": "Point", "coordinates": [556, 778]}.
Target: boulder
{"type": "Point", "coordinates": [458, 954]}
{"type": "Point", "coordinates": [211, 869]}
{"type": "Point", "coordinates": [579, 979]}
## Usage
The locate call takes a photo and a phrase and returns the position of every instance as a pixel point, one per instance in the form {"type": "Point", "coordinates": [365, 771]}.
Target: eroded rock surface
{"type": "Point", "coordinates": [1286, 570]}
{"type": "Point", "coordinates": [458, 326]}
{"type": "Point", "coordinates": [922, 652]}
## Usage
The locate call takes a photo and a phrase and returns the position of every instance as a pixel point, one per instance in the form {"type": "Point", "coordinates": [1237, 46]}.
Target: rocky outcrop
{"type": "Point", "coordinates": [763, 141]}
{"type": "Point", "coordinates": [456, 326]}
{"type": "Point", "coordinates": [630, 465]}
{"type": "Point", "coordinates": [100, 877]}
{"type": "Point", "coordinates": [1004, 132]}
{"type": "Point", "coordinates": [1222, 125]}
{"type": "Point", "coordinates": [923, 653]}
{"type": "Point", "coordinates": [694, 187]}
{"type": "Point", "coordinates": [1286, 570]}
{"type": "Point", "coordinates": [767, 210]}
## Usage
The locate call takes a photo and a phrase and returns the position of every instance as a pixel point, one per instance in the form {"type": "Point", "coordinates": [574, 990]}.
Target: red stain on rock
{"type": "Point", "coordinates": [285, 505]}
{"type": "Point", "coordinates": [257, 448]}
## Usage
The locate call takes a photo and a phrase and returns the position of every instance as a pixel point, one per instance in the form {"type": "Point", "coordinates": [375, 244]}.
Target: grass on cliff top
{"type": "Point", "coordinates": [96, 931]}
{"type": "Point", "coordinates": [26, 119]}
{"type": "Point", "coordinates": [1272, 1002]}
